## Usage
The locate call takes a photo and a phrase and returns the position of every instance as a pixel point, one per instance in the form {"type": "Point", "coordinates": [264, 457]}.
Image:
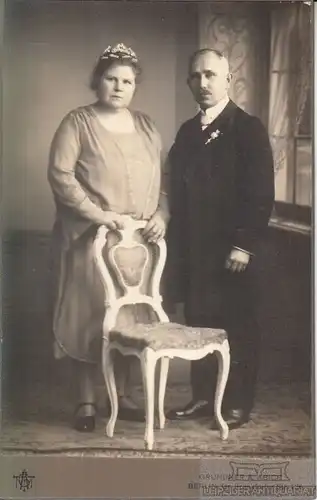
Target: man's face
{"type": "Point", "coordinates": [209, 79]}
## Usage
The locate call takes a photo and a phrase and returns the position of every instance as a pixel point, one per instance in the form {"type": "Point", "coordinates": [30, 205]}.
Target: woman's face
{"type": "Point", "coordinates": [117, 86]}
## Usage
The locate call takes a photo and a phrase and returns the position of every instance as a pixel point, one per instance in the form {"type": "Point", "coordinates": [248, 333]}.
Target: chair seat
{"type": "Point", "coordinates": [159, 336]}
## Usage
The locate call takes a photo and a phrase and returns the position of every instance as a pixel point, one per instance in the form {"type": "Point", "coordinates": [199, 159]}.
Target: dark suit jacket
{"type": "Point", "coordinates": [221, 195]}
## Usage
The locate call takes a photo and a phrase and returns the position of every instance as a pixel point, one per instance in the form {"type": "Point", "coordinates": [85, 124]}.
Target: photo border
{"type": "Point", "coordinates": [84, 475]}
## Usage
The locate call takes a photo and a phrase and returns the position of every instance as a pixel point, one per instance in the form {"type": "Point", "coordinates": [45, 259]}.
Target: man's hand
{"type": "Point", "coordinates": [155, 228]}
{"type": "Point", "coordinates": [237, 260]}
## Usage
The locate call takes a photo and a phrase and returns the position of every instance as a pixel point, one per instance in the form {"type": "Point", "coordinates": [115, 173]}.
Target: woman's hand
{"type": "Point", "coordinates": [112, 220]}
{"type": "Point", "coordinates": [155, 228]}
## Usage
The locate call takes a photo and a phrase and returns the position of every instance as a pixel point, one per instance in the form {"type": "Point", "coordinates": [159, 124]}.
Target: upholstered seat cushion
{"type": "Point", "coordinates": [167, 336]}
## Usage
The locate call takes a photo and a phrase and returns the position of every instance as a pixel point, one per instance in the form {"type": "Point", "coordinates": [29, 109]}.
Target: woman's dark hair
{"type": "Point", "coordinates": [104, 64]}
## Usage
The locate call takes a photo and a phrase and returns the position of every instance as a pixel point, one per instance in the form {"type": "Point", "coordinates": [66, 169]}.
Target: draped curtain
{"type": "Point", "coordinates": [290, 79]}
{"type": "Point", "coordinates": [304, 62]}
{"type": "Point", "coordinates": [282, 30]}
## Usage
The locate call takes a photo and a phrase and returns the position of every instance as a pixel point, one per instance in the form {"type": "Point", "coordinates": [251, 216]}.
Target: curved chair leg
{"type": "Point", "coordinates": [223, 355]}
{"type": "Point", "coordinates": [162, 387]}
{"type": "Point", "coordinates": [148, 363]}
{"type": "Point", "coordinates": [108, 373]}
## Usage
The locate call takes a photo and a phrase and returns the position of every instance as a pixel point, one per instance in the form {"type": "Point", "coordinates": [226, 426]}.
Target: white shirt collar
{"type": "Point", "coordinates": [210, 114]}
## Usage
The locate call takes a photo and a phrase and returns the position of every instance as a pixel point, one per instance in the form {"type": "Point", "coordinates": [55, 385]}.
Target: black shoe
{"type": "Point", "coordinates": [85, 423]}
{"type": "Point", "coordinates": [235, 418]}
{"type": "Point", "coordinates": [195, 409]}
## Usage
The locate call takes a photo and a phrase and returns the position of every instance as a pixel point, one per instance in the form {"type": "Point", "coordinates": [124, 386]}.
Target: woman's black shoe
{"type": "Point", "coordinates": [85, 423]}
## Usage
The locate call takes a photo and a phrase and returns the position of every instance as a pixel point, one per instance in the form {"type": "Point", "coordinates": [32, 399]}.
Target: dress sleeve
{"type": "Point", "coordinates": [155, 137]}
{"type": "Point", "coordinates": [176, 237]}
{"type": "Point", "coordinates": [64, 153]}
{"type": "Point", "coordinates": [163, 204]}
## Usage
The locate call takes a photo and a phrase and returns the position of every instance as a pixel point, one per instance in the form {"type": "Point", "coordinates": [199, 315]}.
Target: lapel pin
{"type": "Point", "coordinates": [214, 135]}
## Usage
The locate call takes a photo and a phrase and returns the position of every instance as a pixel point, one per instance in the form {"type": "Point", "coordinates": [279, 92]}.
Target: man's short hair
{"type": "Point", "coordinates": [200, 52]}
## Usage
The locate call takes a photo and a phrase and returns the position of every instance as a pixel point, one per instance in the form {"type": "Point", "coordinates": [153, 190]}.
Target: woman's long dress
{"type": "Point", "coordinates": [90, 169]}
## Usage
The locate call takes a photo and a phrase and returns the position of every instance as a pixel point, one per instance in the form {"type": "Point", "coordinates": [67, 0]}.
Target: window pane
{"type": "Point", "coordinates": [304, 161]}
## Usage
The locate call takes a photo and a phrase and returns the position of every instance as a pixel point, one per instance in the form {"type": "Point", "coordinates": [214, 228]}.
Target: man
{"type": "Point", "coordinates": [222, 193]}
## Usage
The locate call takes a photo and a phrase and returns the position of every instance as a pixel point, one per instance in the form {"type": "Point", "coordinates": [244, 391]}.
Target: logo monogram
{"type": "Point", "coordinates": [23, 481]}
{"type": "Point", "coordinates": [275, 471]}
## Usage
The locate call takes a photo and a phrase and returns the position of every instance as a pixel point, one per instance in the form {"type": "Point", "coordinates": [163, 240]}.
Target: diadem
{"type": "Point", "coordinates": [119, 51]}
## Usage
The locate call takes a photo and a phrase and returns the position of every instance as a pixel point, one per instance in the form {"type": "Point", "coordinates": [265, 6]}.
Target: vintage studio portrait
{"type": "Point", "coordinates": [157, 198]}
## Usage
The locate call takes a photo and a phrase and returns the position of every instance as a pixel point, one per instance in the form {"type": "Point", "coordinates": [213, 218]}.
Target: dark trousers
{"type": "Point", "coordinates": [238, 317]}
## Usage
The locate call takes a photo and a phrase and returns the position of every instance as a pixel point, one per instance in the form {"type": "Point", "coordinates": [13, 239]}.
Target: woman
{"type": "Point", "coordinates": [104, 163]}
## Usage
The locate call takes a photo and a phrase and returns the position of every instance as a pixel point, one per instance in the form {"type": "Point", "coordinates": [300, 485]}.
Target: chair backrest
{"type": "Point", "coordinates": [130, 269]}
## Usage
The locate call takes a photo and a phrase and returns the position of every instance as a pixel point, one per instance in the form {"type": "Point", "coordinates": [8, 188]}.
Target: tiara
{"type": "Point", "coordinates": [119, 51]}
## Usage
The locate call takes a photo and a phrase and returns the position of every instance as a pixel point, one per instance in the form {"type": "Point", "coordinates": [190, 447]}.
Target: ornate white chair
{"type": "Point", "coordinates": [131, 271]}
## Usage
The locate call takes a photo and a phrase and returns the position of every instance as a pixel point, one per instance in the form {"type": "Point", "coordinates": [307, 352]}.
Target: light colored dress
{"type": "Point", "coordinates": [92, 169]}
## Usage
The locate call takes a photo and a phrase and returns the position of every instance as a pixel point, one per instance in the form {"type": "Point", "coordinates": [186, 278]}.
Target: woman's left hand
{"type": "Point", "coordinates": [155, 229]}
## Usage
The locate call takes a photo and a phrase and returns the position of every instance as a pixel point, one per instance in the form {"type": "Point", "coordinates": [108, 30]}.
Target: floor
{"type": "Point", "coordinates": [280, 426]}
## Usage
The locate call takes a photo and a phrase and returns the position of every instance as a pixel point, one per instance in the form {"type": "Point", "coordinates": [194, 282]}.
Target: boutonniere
{"type": "Point", "coordinates": [214, 135]}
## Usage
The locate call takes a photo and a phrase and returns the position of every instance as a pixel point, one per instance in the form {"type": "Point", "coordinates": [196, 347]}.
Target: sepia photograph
{"type": "Point", "coordinates": [157, 249]}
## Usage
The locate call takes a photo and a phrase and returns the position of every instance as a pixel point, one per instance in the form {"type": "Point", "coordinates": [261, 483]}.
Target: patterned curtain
{"type": "Point", "coordinates": [237, 31]}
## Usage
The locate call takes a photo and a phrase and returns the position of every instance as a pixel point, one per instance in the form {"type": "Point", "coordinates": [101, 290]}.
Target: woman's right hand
{"type": "Point", "coordinates": [112, 220]}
